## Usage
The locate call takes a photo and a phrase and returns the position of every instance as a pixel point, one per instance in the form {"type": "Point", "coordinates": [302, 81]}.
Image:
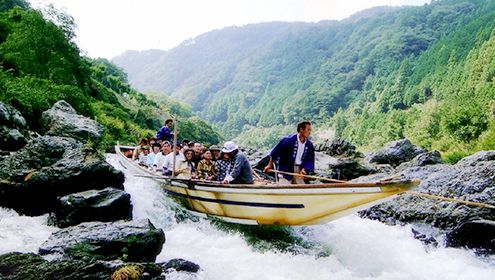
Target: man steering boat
{"type": "Point", "coordinates": [294, 154]}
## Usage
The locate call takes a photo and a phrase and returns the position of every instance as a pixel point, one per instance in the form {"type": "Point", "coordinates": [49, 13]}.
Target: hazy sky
{"type": "Point", "coordinates": [106, 28]}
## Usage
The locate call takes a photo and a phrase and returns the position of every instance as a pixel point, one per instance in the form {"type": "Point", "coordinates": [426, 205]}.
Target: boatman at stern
{"type": "Point", "coordinates": [294, 154]}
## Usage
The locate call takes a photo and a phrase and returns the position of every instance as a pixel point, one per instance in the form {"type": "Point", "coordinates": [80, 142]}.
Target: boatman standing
{"type": "Point", "coordinates": [294, 154]}
{"type": "Point", "coordinates": [164, 133]}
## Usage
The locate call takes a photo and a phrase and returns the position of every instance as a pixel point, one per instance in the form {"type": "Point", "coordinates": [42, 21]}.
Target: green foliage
{"type": "Point", "coordinates": [40, 64]}
{"type": "Point", "coordinates": [425, 73]}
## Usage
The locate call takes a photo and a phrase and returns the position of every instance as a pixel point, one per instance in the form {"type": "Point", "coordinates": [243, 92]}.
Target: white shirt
{"type": "Point", "coordinates": [169, 161]}
{"type": "Point", "coordinates": [159, 160]}
{"type": "Point", "coordinates": [300, 151]}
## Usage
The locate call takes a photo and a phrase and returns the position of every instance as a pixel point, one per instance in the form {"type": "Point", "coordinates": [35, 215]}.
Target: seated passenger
{"type": "Point", "coordinates": [207, 169]}
{"type": "Point", "coordinates": [155, 150]}
{"type": "Point", "coordinates": [160, 157]}
{"type": "Point", "coordinates": [139, 148]}
{"type": "Point", "coordinates": [152, 141]}
{"type": "Point", "coordinates": [187, 168]}
{"type": "Point", "coordinates": [168, 164]}
{"type": "Point", "coordinates": [223, 166]}
{"type": "Point", "coordinates": [143, 156]}
{"type": "Point", "coordinates": [215, 152]}
{"type": "Point", "coordinates": [241, 172]}
{"type": "Point", "coordinates": [198, 153]}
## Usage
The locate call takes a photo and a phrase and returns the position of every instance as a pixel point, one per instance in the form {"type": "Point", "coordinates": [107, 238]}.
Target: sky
{"type": "Point", "coordinates": [107, 28]}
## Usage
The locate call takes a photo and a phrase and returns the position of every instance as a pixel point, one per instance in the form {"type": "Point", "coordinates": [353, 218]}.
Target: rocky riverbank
{"type": "Point", "coordinates": [456, 224]}
{"type": "Point", "coordinates": [61, 173]}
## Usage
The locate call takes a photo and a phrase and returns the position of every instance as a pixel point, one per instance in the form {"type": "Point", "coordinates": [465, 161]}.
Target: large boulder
{"type": "Point", "coordinates": [105, 205]}
{"type": "Point", "coordinates": [136, 240]}
{"type": "Point", "coordinates": [63, 120]}
{"type": "Point", "coordinates": [348, 168]}
{"type": "Point", "coordinates": [13, 129]}
{"type": "Point", "coordinates": [471, 179]}
{"type": "Point", "coordinates": [396, 152]}
{"type": "Point", "coordinates": [51, 166]}
{"type": "Point", "coordinates": [478, 234]}
{"type": "Point", "coordinates": [27, 266]}
{"type": "Point", "coordinates": [338, 147]}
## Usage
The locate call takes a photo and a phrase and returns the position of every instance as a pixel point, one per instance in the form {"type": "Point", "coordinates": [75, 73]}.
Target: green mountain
{"type": "Point", "coordinates": [419, 72]}
{"type": "Point", "coordinates": [40, 64]}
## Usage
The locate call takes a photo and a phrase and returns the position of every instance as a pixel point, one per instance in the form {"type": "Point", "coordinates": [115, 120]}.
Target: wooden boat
{"type": "Point", "coordinates": [270, 203]}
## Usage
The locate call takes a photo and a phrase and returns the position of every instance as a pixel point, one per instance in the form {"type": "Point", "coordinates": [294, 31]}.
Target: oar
{"type": "Point", "coordinates": [307, 176]}
{"type": "Point", "coordinates": [472, 203]}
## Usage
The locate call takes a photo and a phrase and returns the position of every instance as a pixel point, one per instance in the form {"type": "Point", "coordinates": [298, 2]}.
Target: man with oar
{"type": "Point", "coordinates": [295, 155]}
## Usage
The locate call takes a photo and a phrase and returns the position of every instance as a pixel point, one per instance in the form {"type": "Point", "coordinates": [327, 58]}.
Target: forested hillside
{"type": "Point", "coordinates": [425, 73]}
{"type": "Point", "coordinates": [40, 64]}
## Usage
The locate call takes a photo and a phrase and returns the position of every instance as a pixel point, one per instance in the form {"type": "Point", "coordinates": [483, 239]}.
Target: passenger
{"type": "Point", "coordinates": [241, 172]}
{"type": "Point", "coordinates": [151, 157]}
{"type": "Point", "coordinates": [164, 134]}
{"type": "Point", "coordinates": [223, 166]}
{"type": "Point", "coordinates": [187, 169]}
{"type": "Point", "coordinates": [160, 158]}
{"type": "Point", "coordinates": [168, 165]}
{"type": "Point", "coordinates": [191, 145]}
{"type": "Point", "coordinates": [143, 156]}
{"type": "Point", "coordinates": [151, 142]}
{"type": "Point", "coordinates": [128, 153]}
{"type": "Point", "coordinates": [139, 148]}
{"type": "Point", "coordinates": [198, 153]}
{"type": "Point", "coordinates": [215, 152]}
{"type": "Point", "coordinates": [207, 169]}
{"type": "Point", "coordinates": [185, 144]}
{"type": "Point", "coordinates": [295, 154]}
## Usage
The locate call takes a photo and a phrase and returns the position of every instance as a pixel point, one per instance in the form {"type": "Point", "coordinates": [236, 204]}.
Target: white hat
{"type": "Point", "coordinates": [229, 147]}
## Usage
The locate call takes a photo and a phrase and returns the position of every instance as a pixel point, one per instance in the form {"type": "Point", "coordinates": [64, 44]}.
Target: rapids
{"type": "Point", "coordinates": [349, 248]}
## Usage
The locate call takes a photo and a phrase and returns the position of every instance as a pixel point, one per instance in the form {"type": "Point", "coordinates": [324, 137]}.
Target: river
{"type": "Point", "coordinates": [349, 248]}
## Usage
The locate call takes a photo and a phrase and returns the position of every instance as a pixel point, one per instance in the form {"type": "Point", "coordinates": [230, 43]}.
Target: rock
{"type": "Point", "coordinates": [348, 168]}
{"type": "Point", "coordinates": [478, 234]}
{"type": "Point", "coordinates": [14, 133]}
{"type": "Point", "coordinates": [472, 179]}
{"type": "Point", "coordinates": [51, 166]}
{"type": "Point", "coordinates": [136, 241]}
{"type": "Point", "coordinates": [396, 152]}
{"type": "Point", "coordinates": [423, 159]}
{"type": "Point", "coordinates": [338, 147]}
{"type": "Point", "coordinates": [180, 265]}
{"type": "Point", "coordinates": [15, 266]}
{"type": "Point", "coordinates": [63, 120]}
{"type": "Point", "coordinates": [105, 205]}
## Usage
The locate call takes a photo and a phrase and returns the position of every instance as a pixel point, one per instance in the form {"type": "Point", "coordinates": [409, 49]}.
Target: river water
{"type": "Point", "coordinates": [349, 248]}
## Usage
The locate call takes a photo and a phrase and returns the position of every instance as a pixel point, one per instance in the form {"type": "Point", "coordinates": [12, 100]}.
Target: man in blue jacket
{"type": "Point", "coordinates": [294, 154]}
{"type": "Point", "coordinates": [164, 134]}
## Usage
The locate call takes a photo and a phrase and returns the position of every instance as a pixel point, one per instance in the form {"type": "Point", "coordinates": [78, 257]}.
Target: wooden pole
{"type": "Point", "coordinates": [175, 144]}
{"type": "Point", "coordinates": [472, 203]}
{"type": "Point", "coordinates": [307, 176]}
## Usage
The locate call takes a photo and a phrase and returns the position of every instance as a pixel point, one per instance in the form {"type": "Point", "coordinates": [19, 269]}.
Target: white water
{"type": "Point", "coordinates": [355, 248]}
{"type": "Point", "coordinates": [21, 233]}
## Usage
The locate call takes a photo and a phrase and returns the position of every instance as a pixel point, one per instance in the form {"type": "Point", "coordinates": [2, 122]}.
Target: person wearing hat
{"type": "Point", "coordinates": [215, 152]}
{"type": "Point", "coordinates": [241, 172]}
{"type": "Point", "coordinates": [295, 154]}
{"type": "Point", "coordinates": [143, 156]}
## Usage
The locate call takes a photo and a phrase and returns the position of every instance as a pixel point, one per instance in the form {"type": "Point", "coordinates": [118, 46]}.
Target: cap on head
{"type": "Point", "coordinates": [214, 148]}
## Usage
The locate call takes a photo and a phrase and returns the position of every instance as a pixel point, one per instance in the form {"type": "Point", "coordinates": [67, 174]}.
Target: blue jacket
{"type": "Point", "coordinates": [164, 134]}
{"type": "Point", "coordinates": [285, 153]}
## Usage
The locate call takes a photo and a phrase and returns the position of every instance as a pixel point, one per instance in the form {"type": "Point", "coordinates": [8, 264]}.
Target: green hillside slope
{"type": "Point", "coordinates": [381, 74]}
